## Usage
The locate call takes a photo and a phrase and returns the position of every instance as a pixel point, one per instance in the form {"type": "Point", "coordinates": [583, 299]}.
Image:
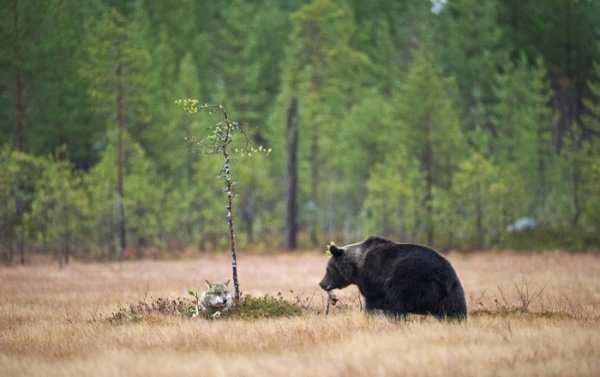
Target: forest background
{"type": "Point", "coordinates": [442, 122]}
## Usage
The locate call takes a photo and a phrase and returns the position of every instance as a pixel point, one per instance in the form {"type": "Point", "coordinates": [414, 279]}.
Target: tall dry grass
{"type": "Point", "coordinates": [531, 315]}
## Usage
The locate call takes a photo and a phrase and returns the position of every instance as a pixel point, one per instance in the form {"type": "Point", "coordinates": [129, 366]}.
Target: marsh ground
{"type": "Point", "coordinates": [532, 314]}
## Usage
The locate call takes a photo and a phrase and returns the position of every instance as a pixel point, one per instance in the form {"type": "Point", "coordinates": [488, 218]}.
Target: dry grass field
{"type": "Point", "coordinates": [530, 315]}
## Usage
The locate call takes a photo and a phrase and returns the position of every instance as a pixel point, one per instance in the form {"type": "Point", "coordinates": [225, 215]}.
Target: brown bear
{"type": "Point", "coordinates": [397, 278]}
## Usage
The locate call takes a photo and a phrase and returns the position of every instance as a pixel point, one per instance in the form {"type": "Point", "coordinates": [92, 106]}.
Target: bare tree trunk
{"type": "Point", "coordinates": [575, 181]}
{"type": "Point", "coordinates": [292, 167]}
{"type": "Point", "coordinates": [67, 237]}
{"type": "Point", "coordinates": [479, 217]}
{"type": "Point", "coordinates": [22, 244]}
{"type": "Point", "coordinates": [19, 119]}
{"type": "Point", "coordinates": [19, 85]}
{"type": "Point", "coordinates": [427, 161]}
{"type": "Point", "coordinates": [7, 234]}
{"type": "Point", "coordinates": [19, 112]}
{"type": "Point", "coordinates": [248, 212]}
{"type": "Point", "coordinates": [120, 192]}
{"type": "Point", "coordinates": [314, 186]}
{"type": "Point", "coordinates": [229, 189]}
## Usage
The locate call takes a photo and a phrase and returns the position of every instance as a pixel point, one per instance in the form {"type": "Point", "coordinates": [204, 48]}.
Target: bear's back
{"type": "Point", "coordinates": [409, 260]}
{"type": "Point", "coordinates": [390, 252]}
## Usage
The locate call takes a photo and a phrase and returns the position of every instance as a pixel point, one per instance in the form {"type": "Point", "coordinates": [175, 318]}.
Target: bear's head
{"type": "Point", "coordinates": [343, 264]}
{"type": "Point", "coordinates": [340, 269]}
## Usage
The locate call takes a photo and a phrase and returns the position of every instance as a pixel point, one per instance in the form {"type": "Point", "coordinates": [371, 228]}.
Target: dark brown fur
{"type": "Point", "coordinates": [397, 278]}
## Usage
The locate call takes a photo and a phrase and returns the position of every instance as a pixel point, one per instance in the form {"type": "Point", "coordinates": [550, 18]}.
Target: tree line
{"type": "Point", "coordinates": [438, 122]}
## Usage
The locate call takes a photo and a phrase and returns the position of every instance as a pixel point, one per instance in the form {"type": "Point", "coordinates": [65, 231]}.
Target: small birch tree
{"type": "Point", "coordinates": [219, 141]}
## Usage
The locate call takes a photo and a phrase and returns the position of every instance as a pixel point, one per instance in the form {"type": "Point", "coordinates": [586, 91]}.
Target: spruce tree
{"type": "Point", "coordinates": [320, 58]}
{"type": "Point", "coordinates": [116, 68]}
{"type": "Point", "coordinates": [522, 124]}
{"type": "Point", "coordinates": [429, 127]}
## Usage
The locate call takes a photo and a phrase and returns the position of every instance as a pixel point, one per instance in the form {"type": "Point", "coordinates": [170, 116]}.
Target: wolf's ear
{"type": "Point", "coordinates": [335, 251]}
{"type": "Point", "coordinates": [208, 284]}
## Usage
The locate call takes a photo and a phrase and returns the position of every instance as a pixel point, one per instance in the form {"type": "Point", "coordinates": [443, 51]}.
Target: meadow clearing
{"type": "Point", "coordinates": [532, 314]}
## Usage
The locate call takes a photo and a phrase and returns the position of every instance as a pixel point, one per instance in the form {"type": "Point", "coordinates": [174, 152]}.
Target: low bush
{"type": "Point", "coordinates": [266, 306]}
{"type": "Point", "coordinates": [249, 307]}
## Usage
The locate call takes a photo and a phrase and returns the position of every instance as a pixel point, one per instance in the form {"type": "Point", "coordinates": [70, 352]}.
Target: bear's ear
{"type": "Point", "coordinates": [335, 251]}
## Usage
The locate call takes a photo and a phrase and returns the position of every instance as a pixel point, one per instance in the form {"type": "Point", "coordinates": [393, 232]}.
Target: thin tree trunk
{"type": "Point", "coordinates": [479, 217]}
{"type": "Point", "coordinates": [7, 234]}
{"type": "Point", "coordinates": [19, 112]}
{"type": "Point", "coordinates": [120, 192]}
{"type": "Point", "coordinates": [19, 84]}
{"type": "Point", "coordinates": [427, 160]}
{"type": "Point", "coordinates": [248, 213]}
{"type": "Point", "coordinates": [229, 190]}
{"type": "Point", "coordinates": [19, 118]}
{"type": "Point", "coordinates": [22, 244]}
{"type": "Point", "coordinates": [314, 186]}
{"type": "Point", "coordinates": [292, 167]}
{"type": "Point", "coordinates": [575, 180]}
{"type": "Point", "coordinates": [67, 237]}
{"type": "Point", "coordinates": [315, 83]}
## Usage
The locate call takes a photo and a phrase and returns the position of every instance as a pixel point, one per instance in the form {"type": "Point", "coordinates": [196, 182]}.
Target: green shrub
{"type": "Point", "coordinates": [251, 307]}
{"type": "Point", "coordinates": [570, 239]}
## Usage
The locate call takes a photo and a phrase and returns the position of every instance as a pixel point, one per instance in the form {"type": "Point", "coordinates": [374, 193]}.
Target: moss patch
{"type": "Point", "coordinates": [264, 307]}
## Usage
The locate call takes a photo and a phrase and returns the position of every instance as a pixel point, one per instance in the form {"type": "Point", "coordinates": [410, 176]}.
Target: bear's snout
{"type": "Point", "coordinates": [325, 285]}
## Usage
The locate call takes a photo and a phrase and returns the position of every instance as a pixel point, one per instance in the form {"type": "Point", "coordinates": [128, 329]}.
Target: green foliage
{"type": "Point", "coordinates": [522, 128]}
{"type": "Point", "coordinates": [474, 47]}
{"type": "Point", "coordinates": [424, 103]}
{"type": "Point", "coordinates": [144, 196]}
{"type": "Point", "coordinates": [393, 200]}
{"type": "Point", "coordinates": [478, 194]}
{"type": "Point", "coordinates": [430, 131]}
{"type": "Point", "coordinates": [58, 216]}
{"type": "Point", "coordinates": [460, 121]}
{"type": "Point", "coordinates": [19, 175]}
{"type": "Point", "coordinates": [115, 57]}
{"type": "Point", "coordinates": [264, 307]}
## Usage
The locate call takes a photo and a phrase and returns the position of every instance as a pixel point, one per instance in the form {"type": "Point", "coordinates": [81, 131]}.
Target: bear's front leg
{"type": "Point", "coordinates": [374, 304]}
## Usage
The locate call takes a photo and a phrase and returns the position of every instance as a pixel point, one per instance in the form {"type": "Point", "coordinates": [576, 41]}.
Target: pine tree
{"type": "Point", "coordinates": [591, 145]}
{"type": "Point", "coordinates": [362, 149]}
{"type": "Point", "coordinates": [18, 178]}
{"type": "Point", "coordinates": [430, 129]}
{"type": "Point", "coordinates": [393, 199]}
{"type": "Point", "coordinates": [522, 123]}
{"type": "Point", "coordinates": [142, 204]}
{"type": "Point", "coordinates": [476, 199]}
{"type": "Point", "coordinates": [474, 47]}
{"type": "Point", "coordinates": [116, 68]}
{"type": "Point", "coordinates": [320, 58]}
{"type": "Point", "coordinates": [59, 210]}
{"type": "Point", "coordinates": [21, 28]}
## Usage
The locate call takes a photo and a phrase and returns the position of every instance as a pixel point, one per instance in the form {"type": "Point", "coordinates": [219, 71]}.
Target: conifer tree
{"type": "Point", "coordinates": [320, 40]}
{"type": "Point", "coordinates": [59, 210]}
{"type": "Point", "coordinates": [522, 124]}
{"type": "Point", "coordinates": [474, 48]}
{"type": "Point", "coordinates": [429, 128]}
{"type": "Point", "coordinates": [115, 66]}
